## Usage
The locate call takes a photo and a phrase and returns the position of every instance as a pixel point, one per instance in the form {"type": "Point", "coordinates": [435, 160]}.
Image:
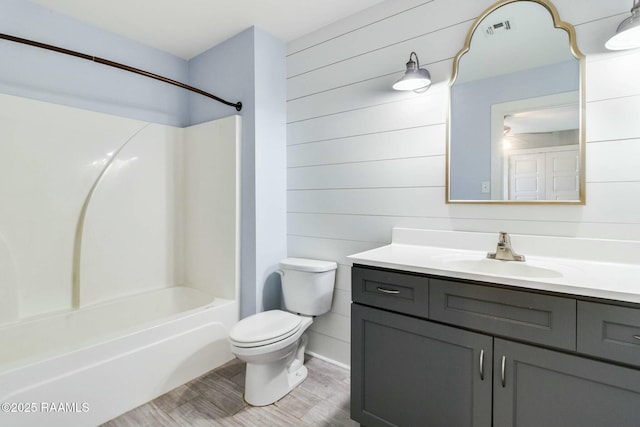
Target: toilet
{"type": "Point", "coordinates": [272, 343]}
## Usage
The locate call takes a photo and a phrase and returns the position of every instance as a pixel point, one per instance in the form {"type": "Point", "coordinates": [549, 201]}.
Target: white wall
{"type": "Point", "coordinates": [363, 158]}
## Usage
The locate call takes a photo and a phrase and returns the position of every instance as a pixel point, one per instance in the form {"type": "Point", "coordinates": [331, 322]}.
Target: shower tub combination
{"type": "Point", "coordinates": [128, 286]}
{"type": "Point", "coordinates": [85, 367]}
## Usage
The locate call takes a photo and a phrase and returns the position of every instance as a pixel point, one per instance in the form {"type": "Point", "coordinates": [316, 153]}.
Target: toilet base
{"type": "Point", "coordinates": [270, 382]}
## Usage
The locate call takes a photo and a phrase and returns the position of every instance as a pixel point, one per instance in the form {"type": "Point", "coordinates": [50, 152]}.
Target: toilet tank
{"type": "Point", "coordinates": [307, 285]}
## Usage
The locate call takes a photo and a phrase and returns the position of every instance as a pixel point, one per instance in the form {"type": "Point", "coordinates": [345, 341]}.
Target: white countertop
{"type": "Point", "coordinates": [607, 280]}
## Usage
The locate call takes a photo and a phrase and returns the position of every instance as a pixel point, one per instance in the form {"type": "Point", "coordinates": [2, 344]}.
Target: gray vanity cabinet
{"type": "Point", "coordinates": [542, 387]}
{"type": "Point", "coordinates": [432, 351]}
{"type": "Point", "coordinates": [410, 372]}
{"type": "Point", "coordinates": [407, 371]}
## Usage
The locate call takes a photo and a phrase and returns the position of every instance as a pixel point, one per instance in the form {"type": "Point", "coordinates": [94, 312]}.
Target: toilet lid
{"type": "Point", "coordinates": [308, 265]}
{"type": "Point", "coordinates": [264, 328]}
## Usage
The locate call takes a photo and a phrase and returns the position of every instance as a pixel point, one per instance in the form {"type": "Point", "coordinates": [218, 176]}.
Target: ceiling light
{"type": "Point", "coordinates": [627, 35]}
{"type": "Point", "coordinates": [415, 78]}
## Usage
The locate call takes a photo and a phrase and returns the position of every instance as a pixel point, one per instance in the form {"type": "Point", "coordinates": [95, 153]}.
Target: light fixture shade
{"type": "Point", "coordinates": [627, 35]}
{"type": "Point", "coordinates": [415, 78]}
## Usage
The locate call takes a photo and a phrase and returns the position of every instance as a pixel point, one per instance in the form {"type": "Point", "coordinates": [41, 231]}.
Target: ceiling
{"type": "Point", "coordinates": [187, 28]}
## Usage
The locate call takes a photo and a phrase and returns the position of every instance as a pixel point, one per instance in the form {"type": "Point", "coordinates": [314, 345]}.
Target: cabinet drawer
{"type": "Point", "coordinates": [542, 319]}
{"type": "Point", "coordinates": [401, 292]}
{"type": "Point", "coordinates": [609, 331]}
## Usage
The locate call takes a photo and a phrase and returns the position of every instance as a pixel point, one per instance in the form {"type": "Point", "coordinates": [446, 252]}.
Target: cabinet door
{"type": "Point", "coordinates": [414, 373]}
{"type": "Point", "coordinates": [542, 387]}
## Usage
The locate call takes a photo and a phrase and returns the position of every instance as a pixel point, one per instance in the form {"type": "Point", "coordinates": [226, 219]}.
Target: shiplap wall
{"type": "Point", "coordinates": [363, 158]}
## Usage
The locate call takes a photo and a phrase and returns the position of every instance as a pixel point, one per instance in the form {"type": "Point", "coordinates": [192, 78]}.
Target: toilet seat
{"type": "Point", "coordinates": [264, 328]}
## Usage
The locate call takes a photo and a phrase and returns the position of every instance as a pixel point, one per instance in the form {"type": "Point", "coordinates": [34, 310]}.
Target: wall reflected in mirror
{"type": "Point", "coordinates": [515, 119]}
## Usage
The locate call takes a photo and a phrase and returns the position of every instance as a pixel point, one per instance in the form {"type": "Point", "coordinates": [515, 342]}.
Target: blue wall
{"type": "Point", "coordinates": [270, 167]}
{"type": "Point", "coordinates": [39, 74]}
{"type": "Point", "coordinates": [250, 67]}
{"type": "Point", "coordinates": [230, 67]}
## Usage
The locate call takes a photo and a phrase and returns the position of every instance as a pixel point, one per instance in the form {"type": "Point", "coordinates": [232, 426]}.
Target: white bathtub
{"type": "Point", "coordinates": [85, 367]}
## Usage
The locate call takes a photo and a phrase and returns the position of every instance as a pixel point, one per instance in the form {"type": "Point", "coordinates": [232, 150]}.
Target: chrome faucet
{"type": "Point", "coordinates": [504, 252]}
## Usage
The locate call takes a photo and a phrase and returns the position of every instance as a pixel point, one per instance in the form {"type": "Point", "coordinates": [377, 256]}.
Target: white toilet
{"type": "Point", "coordinates": [272, 342]}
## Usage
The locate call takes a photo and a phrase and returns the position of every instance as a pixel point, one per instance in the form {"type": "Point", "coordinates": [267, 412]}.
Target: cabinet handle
{"type": "Point", "coordinates": [481, 365]}
{"type": "Point", "coordinates": [388, 291]}
{"type": "Point", "coordinates": [637, 337]}
{"type": "Point", "coordinates": [504, 362]}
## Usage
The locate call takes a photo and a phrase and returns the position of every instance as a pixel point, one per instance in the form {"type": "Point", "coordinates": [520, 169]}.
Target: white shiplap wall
{"type": "Point", "coordinates": [363, 158]}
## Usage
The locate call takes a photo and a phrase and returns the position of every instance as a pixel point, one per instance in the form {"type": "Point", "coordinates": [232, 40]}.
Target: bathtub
{"type": "Point", "coordinates": [84, 367]}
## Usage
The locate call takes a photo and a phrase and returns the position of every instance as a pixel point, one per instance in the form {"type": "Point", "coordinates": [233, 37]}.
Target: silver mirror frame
{"type": "Point", "coordinates": [558, 23]}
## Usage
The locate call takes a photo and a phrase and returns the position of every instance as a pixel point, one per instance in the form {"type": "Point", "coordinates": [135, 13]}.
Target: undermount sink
{"type": "Point", "coordinates": [499, 268]}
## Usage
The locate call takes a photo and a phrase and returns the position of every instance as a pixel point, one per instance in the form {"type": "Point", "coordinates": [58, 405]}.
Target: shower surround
{"type": "Point", "coordinates": [118, 258]}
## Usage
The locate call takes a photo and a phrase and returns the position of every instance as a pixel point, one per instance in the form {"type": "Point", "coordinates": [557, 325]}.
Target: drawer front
{"type": "Point", "coordinates": [543, 319]}
{"type": "Point", "coordinates": [405, 293]}
{"type": "Point", "coordinates": [609, 331]}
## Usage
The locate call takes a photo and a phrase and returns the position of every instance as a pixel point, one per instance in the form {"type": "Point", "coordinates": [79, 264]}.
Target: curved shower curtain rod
{"type": "Point", "coordinates": [237, 105]}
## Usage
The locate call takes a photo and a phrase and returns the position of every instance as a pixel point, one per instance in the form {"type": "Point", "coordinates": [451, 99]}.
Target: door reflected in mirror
{"type": "Point", "coordinates": [515, 123]}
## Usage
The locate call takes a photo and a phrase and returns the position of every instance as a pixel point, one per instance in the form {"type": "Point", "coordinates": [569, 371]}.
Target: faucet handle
{"type": "Point", "coordinates": [503, 238]}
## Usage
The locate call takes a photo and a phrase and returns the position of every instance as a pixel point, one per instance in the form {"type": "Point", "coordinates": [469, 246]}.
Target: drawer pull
{"type": "Point", "coordinates": [388, 291]}
{"type": "Point", "coordinates": [481, 365]}
{"type": "Point", "coordinates": [504, 362]}
{"type": "Point", "coordinates": [637, 337]}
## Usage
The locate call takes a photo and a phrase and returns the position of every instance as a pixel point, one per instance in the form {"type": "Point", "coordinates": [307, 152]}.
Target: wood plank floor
{"type": "Point", "coordinates": [215, 399]}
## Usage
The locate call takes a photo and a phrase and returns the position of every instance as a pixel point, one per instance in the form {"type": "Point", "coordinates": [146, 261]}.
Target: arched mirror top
{"type": "Point", "coordinates": [515, 24]}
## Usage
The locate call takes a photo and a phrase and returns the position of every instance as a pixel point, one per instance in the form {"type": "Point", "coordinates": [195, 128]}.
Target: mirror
{"type": "Point", "coordinates": [516, 126]}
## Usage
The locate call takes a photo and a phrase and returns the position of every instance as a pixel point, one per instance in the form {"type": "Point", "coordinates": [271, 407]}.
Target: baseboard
{"type": "Point", "coordinates": [326, 359]}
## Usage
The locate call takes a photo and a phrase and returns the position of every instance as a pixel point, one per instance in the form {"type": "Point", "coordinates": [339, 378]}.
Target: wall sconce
{"type": "Point", "coordinates": [627, 35]}
{"type": "Point", "coordinates": [415, 78]}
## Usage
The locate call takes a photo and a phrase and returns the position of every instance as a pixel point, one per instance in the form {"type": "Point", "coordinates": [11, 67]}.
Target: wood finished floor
{"type": "Point", "coordinates": [215, 399]}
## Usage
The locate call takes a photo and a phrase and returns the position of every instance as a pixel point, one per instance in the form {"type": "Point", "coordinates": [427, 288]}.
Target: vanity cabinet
{"type": "Point", "coordinates": [410, 372]}
{"type": "Point", "coordinates": [468, 354]}
{"type": "Point", "coordinates": [543, 387]}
